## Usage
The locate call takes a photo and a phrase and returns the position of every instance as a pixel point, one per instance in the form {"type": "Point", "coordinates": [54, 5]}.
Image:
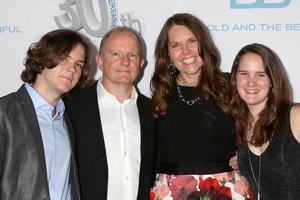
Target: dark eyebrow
{"type": "Point", "coordinates": [81, 61]}
{"type": "Point", "coordinates": [193, 37]}
{"type": "Point", "coordinates": [173, 42]}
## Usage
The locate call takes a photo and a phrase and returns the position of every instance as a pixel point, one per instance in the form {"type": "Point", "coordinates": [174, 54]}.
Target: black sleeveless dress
{"type": "Point", "coordinates": [280, 166]}
{"type": "Point", "coordinates": [195, 145]}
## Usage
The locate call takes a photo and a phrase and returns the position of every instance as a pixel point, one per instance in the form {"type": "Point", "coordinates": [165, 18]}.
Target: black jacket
{"type": "Point", "coordinates": [90, 148]}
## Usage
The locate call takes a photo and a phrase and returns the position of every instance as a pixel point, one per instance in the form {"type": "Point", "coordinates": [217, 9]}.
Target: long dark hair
{"type": "Point", "coordinates": [279, 97]}
{"type": "Point", "coordinates": [212, 83]}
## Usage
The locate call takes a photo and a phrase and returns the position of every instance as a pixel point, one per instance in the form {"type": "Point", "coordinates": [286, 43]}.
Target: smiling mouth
{"type": "Point", "coordinates": [189, 60]}
{"type": "Point", "coordinates": [251, 91]}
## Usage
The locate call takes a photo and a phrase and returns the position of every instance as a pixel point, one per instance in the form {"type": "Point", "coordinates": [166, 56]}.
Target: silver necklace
{"type": "Point", "coordinates": [256, 179]}
{"type": "Point", "coordinates": [188, 102]}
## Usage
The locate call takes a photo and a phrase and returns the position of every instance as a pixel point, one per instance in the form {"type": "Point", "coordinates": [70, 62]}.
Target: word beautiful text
{"type": "Point", "coordinates": [10, 29]}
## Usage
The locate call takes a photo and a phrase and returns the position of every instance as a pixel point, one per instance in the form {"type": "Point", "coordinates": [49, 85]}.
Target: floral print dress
{"type": "Point", "coordinates": [221, 186]}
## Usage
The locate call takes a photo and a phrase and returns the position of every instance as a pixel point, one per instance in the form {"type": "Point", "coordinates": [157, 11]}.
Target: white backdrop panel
{"type": "Point", "coordinates": [233, 24]}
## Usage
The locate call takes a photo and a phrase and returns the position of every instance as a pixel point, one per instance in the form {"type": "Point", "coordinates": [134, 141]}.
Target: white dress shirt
{"type": "Point", "coordinates": [121, 131]}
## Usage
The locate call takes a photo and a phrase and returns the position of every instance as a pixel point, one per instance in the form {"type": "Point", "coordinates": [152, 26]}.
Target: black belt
{"type": "Point", "coordinates": [192, 168]}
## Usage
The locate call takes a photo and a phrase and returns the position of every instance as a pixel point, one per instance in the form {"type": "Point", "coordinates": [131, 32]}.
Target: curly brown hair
{"type": "Point", "coordinates": [279, 98]}
{"type": "Point", "coordinates": [212, 83]}
{"type": "Point", "coordinates": [51, 50]}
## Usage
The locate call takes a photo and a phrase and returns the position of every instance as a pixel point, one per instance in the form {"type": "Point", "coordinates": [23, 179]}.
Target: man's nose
{"type": "Point", "coordinates": [125, 59]}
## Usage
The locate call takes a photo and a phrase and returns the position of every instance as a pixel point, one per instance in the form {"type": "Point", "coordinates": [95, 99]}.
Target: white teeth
{"type": "Point", "coordinates": [189, 60]}
{"type": "Point", "coordinates": [252, 91]}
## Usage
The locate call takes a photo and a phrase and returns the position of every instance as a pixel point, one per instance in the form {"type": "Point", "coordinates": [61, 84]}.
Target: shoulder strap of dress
{"type": "Point", "coordinates": [287, 116]}
{"type": "Point", "coordinates": [285, 125]}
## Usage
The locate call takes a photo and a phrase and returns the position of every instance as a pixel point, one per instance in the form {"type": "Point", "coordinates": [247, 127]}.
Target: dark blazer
{"type": "Point", "coordinates": [23, 174]}
{"type": "Point", "coordinates": [90, 148]}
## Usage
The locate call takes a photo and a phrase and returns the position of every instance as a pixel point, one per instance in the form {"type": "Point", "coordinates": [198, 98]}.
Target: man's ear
{"type": "Point", "coordinates": [99, 61]}
{"type": "Point", "coordinates": [142, 63]}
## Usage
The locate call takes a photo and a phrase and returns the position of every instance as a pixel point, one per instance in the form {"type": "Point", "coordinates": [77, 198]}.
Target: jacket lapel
{"type": "Point", "coordinates": [27, 107]}
{"type": "Point", "coordinates": [141, 110]}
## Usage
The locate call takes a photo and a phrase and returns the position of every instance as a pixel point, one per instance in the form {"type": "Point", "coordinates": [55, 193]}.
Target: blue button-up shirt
{"type": "Point", "coordinates": [56, 144]}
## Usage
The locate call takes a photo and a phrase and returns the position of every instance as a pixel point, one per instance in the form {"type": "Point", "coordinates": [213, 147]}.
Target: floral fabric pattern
{"type": "Point", "coordinates": [221, 186]}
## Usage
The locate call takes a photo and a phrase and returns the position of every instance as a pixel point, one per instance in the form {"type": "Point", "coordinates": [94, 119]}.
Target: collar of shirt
{"type": "Point", "coordinates": [105, 96]}
{"type": "Point", "coordinates": [40, 103]}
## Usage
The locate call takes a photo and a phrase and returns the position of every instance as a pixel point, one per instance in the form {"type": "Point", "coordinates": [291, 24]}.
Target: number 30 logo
{"type": "Point", "coordinates": [81, 14]}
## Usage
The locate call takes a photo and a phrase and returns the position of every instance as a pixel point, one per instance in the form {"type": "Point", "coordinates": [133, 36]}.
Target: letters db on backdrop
{"type": "Point", "coordinates": [248, 4]}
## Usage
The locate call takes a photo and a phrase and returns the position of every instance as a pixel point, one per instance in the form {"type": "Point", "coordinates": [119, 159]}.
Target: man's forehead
{"type": "Point", "coordinates": [118, 34]}
{"type": "Point", "coordinates": [115, 41]}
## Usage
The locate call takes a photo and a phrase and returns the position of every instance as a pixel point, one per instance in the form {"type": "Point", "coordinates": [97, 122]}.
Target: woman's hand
{"type": "Point", "coordinates": [233, 163]}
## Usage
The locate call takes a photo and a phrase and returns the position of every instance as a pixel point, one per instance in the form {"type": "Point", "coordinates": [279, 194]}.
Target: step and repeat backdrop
{"type": "Point", "coordinates": [233, 24]}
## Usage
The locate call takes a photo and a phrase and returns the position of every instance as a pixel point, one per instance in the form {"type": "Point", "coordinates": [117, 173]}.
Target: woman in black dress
{"type": "Point", "coordinates": [190, 100]}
